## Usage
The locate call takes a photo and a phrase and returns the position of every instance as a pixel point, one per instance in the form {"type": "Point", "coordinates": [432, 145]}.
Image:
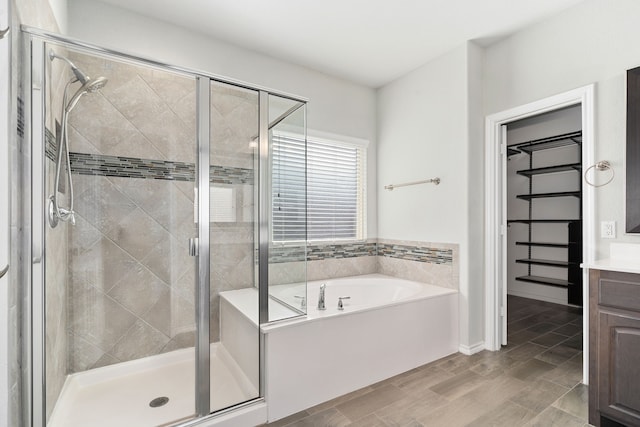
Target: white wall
{"type": "Point", "coordinates": [595, 41]}
{"type": "Point", "coordinates": [59, 9]}
{"type": "Point", "coordinates": [423, 132]}
{"type": "Point", "coordinates": [335, 106]}
{"type": "Point", "coordinates": [475, 194]}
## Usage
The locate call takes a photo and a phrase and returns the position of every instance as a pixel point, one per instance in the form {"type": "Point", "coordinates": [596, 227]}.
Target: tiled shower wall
{"type": "Point", "coordinates": [132, 281]}
{"type": "Point", "coordinates": [56, 260]}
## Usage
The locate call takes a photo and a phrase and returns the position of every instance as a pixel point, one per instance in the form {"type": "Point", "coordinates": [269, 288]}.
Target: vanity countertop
{"type": "Point", "coordinates": [623, 257]}
{"type": "Point", "coordinates": [621, 265]}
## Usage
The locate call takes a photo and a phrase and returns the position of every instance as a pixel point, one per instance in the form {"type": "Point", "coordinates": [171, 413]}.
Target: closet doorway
{"type": "Point", "coordinates": [539, 225]}
{"type": "Point", "coordinates": [544, 209]}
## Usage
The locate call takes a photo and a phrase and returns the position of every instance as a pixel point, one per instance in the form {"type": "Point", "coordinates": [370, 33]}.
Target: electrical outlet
{"type": "Point", "coordinates": [608, 229]}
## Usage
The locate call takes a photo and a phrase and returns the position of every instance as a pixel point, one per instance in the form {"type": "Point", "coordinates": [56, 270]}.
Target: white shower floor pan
{"type": "Point", "coordinates": [119, 395]}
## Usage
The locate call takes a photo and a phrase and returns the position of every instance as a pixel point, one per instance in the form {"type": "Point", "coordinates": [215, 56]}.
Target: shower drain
{"type": "Point", "coordinates": [159, 401]}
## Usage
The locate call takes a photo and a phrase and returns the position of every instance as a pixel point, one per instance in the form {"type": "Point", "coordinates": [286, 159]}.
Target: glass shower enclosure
{"type": "Point", "coordinates": [151, 203]}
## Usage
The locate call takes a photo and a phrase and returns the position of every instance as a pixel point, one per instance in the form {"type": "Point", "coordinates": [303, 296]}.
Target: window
{"type": "Point", "coordinates": [335, 194]}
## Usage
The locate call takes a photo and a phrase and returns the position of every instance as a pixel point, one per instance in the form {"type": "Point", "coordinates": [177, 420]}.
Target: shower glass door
{"type": "Point", "coordinates": [118, 285]}
{"type": "Point", "coordinates": [234, 334]}
{"type": "Point", "coordinates": [288, 209]}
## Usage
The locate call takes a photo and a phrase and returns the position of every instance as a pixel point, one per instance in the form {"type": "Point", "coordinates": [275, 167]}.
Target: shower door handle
{"type": "Point", "coordinates": [4, 271]}
{"type": "Point", "coordinates": [4, 32]}
{"type": "Point", "coordinates": [193, 246]}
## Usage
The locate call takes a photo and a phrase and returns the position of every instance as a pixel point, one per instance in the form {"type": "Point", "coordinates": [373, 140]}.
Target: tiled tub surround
{"type": "Point", "coordinates": [435, 263]}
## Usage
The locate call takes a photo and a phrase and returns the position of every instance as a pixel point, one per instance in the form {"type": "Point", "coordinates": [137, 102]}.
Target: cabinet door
{"type": "Point", "coordinates": [619, 375]}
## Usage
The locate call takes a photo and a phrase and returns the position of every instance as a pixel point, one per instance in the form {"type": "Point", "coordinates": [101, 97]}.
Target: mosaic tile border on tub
{"type": "Point", "coordinates": [316, 252]}
{"type": "Point", "coordinates": [416, 253]}
{"type": "Point", "coordinates": [352, 250]}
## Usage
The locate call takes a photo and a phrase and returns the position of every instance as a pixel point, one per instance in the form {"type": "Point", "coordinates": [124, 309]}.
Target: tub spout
{"type": "Point", "coordinates": [321, 305]}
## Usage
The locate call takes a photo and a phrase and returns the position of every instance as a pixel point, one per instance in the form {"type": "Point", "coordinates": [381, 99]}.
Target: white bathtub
{"type": "Point", "coordinates": [365, 292]}
{"type": "Point", "coordinates": [387, 327]}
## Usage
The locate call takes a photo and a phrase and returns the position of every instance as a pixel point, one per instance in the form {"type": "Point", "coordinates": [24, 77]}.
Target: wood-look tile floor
{"type": "Point", "coordinates": [533, 381]}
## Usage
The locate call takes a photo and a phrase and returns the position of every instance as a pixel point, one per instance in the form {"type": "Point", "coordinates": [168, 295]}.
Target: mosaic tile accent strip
{"type": "Point", "coordinates": [131, 167]}
{"type": "Point", "coordinates": [50, 145]}
{"type": "Point", "coordinates": [230, 175]}
{"type": "Point", "coordinates": [320, 252]}
{"type": "Point", "coordinates": [347, 250]}
{"type": "Point", "coordinates": [416, 253]}
{"type": "Point", "coordinates": [352, 250]}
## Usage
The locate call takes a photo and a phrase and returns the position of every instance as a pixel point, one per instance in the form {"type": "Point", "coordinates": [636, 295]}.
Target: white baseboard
{"type": "Point", "coordinates": [472, 349]}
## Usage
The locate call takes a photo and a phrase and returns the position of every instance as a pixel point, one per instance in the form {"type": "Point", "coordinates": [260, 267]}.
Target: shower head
{"type": "Point", "coordinates": [94, 85]}
{"type": "Point", "coordinates": [90, 86]}
{"type": "Point", "coordinates": [82, 77]}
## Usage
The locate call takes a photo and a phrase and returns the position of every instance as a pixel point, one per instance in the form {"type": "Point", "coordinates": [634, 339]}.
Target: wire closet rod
{"type": "Point", "coordinates": [390, 187]}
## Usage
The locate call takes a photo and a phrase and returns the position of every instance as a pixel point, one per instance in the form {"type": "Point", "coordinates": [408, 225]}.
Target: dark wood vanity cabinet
{"type": "Point", "coordinates": [614, 348]}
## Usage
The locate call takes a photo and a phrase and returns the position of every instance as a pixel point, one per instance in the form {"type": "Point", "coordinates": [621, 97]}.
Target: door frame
{"type": "Point", "coordinates": [495, 206]}
{"type": "Point", "coordinates": [6, 353]}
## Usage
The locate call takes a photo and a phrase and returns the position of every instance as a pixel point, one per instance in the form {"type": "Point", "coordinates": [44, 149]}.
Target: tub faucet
{"type": "Point", "coordinates": [321, 305]}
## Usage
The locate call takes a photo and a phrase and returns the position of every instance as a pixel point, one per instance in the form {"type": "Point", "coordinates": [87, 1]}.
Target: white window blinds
{"type": "Point", "coordinates": [334, 194]}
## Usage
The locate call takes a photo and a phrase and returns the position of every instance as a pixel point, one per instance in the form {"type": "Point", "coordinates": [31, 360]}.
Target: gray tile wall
{"type": "Point", "coordinates": [56, 261]}
{"type": "Point", "coordinates": [132, 281]}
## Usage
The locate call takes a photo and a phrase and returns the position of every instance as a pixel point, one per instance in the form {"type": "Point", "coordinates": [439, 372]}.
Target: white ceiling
{"type": "Point", "coordinates": [371, 42]}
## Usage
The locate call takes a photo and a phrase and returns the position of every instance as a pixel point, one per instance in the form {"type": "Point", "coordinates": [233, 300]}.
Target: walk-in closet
{"type": "Point", "coordinates": [544, 209]}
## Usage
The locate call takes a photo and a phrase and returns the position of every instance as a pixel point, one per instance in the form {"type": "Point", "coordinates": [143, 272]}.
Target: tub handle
{"type": "Point", "coordinates": [340, 305]}
{"type": "Point", "coordinates": [303, 301]}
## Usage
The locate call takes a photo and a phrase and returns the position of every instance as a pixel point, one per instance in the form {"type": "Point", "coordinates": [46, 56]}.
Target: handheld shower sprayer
{"type": "Point", "coordinates": [88, 85]}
